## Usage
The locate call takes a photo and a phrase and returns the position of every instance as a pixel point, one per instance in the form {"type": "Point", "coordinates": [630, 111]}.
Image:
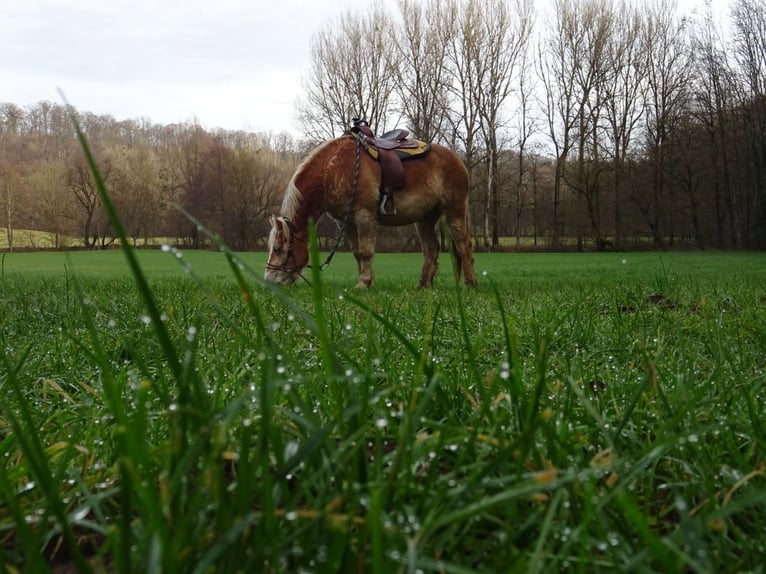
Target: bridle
{"type": "Point", "coordinates": [284, 268]}
{"type": "Point", "coordinates": [341, 231]}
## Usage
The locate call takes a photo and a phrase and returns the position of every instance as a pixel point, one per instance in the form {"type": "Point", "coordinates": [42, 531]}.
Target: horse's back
{"type": "Point", "coordinates": [440, 168]}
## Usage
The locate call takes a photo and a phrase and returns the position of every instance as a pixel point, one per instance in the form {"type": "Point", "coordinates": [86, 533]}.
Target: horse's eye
{"type": "Point", "coordinates": [278, 250]}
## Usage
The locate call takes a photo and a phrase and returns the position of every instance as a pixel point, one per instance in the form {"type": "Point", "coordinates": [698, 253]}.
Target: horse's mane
{"type": "Point", "coordinates": [293, 198]}
{"type": "Point", "coordinates": [291, 201]}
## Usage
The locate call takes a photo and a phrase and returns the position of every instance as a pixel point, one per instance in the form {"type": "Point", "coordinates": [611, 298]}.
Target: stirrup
{"type": "Point", "coordinates": [383, 209]}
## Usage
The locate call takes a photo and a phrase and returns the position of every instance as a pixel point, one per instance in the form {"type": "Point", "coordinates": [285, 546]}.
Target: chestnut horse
{"type": "Point", "coordinates": [327, 181]}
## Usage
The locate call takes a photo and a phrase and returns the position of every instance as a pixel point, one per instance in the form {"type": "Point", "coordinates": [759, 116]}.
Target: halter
{"type": "Point", "coordinates": [289, 247]}
{"type": "Point", "coordinates": [341, 231]}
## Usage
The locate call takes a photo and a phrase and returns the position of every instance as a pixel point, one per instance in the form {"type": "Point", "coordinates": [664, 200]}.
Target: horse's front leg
{"type": "Point", "coordinates": [362, 239]}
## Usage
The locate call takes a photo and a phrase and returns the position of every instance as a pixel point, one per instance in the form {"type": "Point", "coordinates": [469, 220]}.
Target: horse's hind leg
{"type": "Point", "coordinates": [429, 243]}
{"type": "Point", "coordinates": [462, 250]}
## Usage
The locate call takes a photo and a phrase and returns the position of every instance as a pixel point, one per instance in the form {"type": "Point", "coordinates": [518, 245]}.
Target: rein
{"type": "Point", "coordinates": [349, 209]}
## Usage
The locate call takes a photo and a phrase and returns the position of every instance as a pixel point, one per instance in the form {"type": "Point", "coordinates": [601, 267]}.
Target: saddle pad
{"type": "Point", "coordinates": [411, 151]}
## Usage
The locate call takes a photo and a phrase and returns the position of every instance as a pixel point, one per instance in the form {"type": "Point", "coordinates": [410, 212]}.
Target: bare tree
{"type": "Point", "coordinates": [484, 54]}
{"type": "Point", "coordinates": [136, 188]}
{"type": "Point", "coordinates": [559, 53]}
{"type": "Point", "coordinates": [183, 152]}
{"type": "Point", "coordinates": [749, 41]}
{"type": "Point", "coordinates": [527, 126]}
{"type": "Point", "coordinates": [623, 96]}
{"type": "Point", "coordinates": [461, 31]}
{"type": "Point", "coordinates": [421, 86]}
{"type": "Point", "coordinates": [90, 214]}
{"type": "Point", "coordinates": [352, 74]}
{"type": "Point", "coordinates": [667, 57]}
{"type": "Point", "coordinates": [11, 167]}
{"type": "Point", "coordinates": [591, 25]}
{"type": "Point", "coordinates": [254, 178]}
{"type": "Point", "coordinates": [49, 206]}
{"type": "Point", "coordinates": [506, 31]}
{"type": "Point", "coordinates": [713, 99]}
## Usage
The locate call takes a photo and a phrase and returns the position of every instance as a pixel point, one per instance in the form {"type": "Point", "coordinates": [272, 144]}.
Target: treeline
{"type": "Point", "coordinates": [610, 122]}
{"type": "Point", "coordinates": [597, 124]}
{"type": "Point", "coordinates": [228, 180]}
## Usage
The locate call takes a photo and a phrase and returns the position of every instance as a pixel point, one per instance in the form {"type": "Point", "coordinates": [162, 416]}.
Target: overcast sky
{"type": "Point", "coordinates": [235, 64]}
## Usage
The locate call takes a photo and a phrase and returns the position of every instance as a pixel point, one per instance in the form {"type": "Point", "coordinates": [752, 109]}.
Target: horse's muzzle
{"type": "Point", "coordinates": [279, 276]}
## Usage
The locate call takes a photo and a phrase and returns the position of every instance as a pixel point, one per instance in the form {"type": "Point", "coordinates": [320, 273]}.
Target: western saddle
{"type": "Point", "coordinates": [389, 149]}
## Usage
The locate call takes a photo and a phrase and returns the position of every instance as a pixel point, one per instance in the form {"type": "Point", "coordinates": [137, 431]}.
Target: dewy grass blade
{"type": "Point", "coordinates": [192, 402]}
{"type": "Point", "coordinates": [237, 266]}
{"type": "Point", "coordinates": [39, 465]}
{"type": "Point", "coordinates": [25, 538]}
{"type": "Point", "coordinates": [411, 347]}
{"type": "Point", "coordinates": [152, 308]}
{"type": "Point", "coordinates": [330, 357]}
{"type": "Point", "coordinates": [537, 563]}
{"type": "Point", "coordinates": [523, 490]}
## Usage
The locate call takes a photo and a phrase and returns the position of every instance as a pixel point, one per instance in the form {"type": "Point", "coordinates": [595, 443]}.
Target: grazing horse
{"type": "Point", "coordinates": [339, 180]}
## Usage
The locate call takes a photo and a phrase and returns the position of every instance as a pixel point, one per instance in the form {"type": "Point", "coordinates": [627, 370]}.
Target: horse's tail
{"type": "Point", "coordinates": [457, 262]}
{"type": "Point", "coordinates": [460, 251]}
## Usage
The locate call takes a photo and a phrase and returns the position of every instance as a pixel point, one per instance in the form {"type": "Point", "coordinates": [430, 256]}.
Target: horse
{"type": "Point", "coordinates": [339, 180]}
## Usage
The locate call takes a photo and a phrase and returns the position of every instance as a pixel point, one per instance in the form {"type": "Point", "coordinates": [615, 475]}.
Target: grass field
{"type": "Point", "coordinates": [576, 412]}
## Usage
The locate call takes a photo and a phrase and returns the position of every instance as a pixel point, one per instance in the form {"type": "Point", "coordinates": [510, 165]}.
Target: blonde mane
{"type": "Point", "coordinates": [293, 198]}
{"type": "Point", "coordinates": [291, 201]}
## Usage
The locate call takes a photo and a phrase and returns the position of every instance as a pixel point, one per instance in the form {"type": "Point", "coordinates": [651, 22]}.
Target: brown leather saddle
{"type": "Point", "coordinates": [389, 149]}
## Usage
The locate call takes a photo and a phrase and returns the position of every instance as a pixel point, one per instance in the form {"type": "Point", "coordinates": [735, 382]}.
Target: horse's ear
{"type": "Point", "coordinates": [285, 225]}
{"type": "Point", "coordinates": [272, 220]}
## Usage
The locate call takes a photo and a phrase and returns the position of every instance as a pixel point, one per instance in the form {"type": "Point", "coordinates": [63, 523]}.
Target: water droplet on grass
{"type": "Point", "coordinates": [291, 449]}
{"type": "Point", "coordinates": [81, 514]}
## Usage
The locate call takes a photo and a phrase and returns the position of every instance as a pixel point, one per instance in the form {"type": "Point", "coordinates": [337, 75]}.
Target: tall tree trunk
{"type": "Point", "coordinates": [488, 199]}
{"type": "Point", "coordinates": [9, 216]}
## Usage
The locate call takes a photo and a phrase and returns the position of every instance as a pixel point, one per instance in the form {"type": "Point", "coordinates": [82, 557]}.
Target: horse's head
{"type": "Point", "coordinates": [288, 253]}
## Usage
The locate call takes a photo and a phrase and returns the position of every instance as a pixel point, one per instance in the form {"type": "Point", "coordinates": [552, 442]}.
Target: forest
{"type": "Point", "coordinates": [587, 124]}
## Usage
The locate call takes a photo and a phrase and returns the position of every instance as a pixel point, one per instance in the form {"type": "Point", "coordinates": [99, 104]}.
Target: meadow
{"type": "Point", "coordinates": [576, 412]}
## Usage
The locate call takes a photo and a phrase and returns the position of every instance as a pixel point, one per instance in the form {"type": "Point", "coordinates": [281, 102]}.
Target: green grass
{"type": "Point", "coordinates": [590, 413]}
{"type": "Point", "coordinates": [555, 418]}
